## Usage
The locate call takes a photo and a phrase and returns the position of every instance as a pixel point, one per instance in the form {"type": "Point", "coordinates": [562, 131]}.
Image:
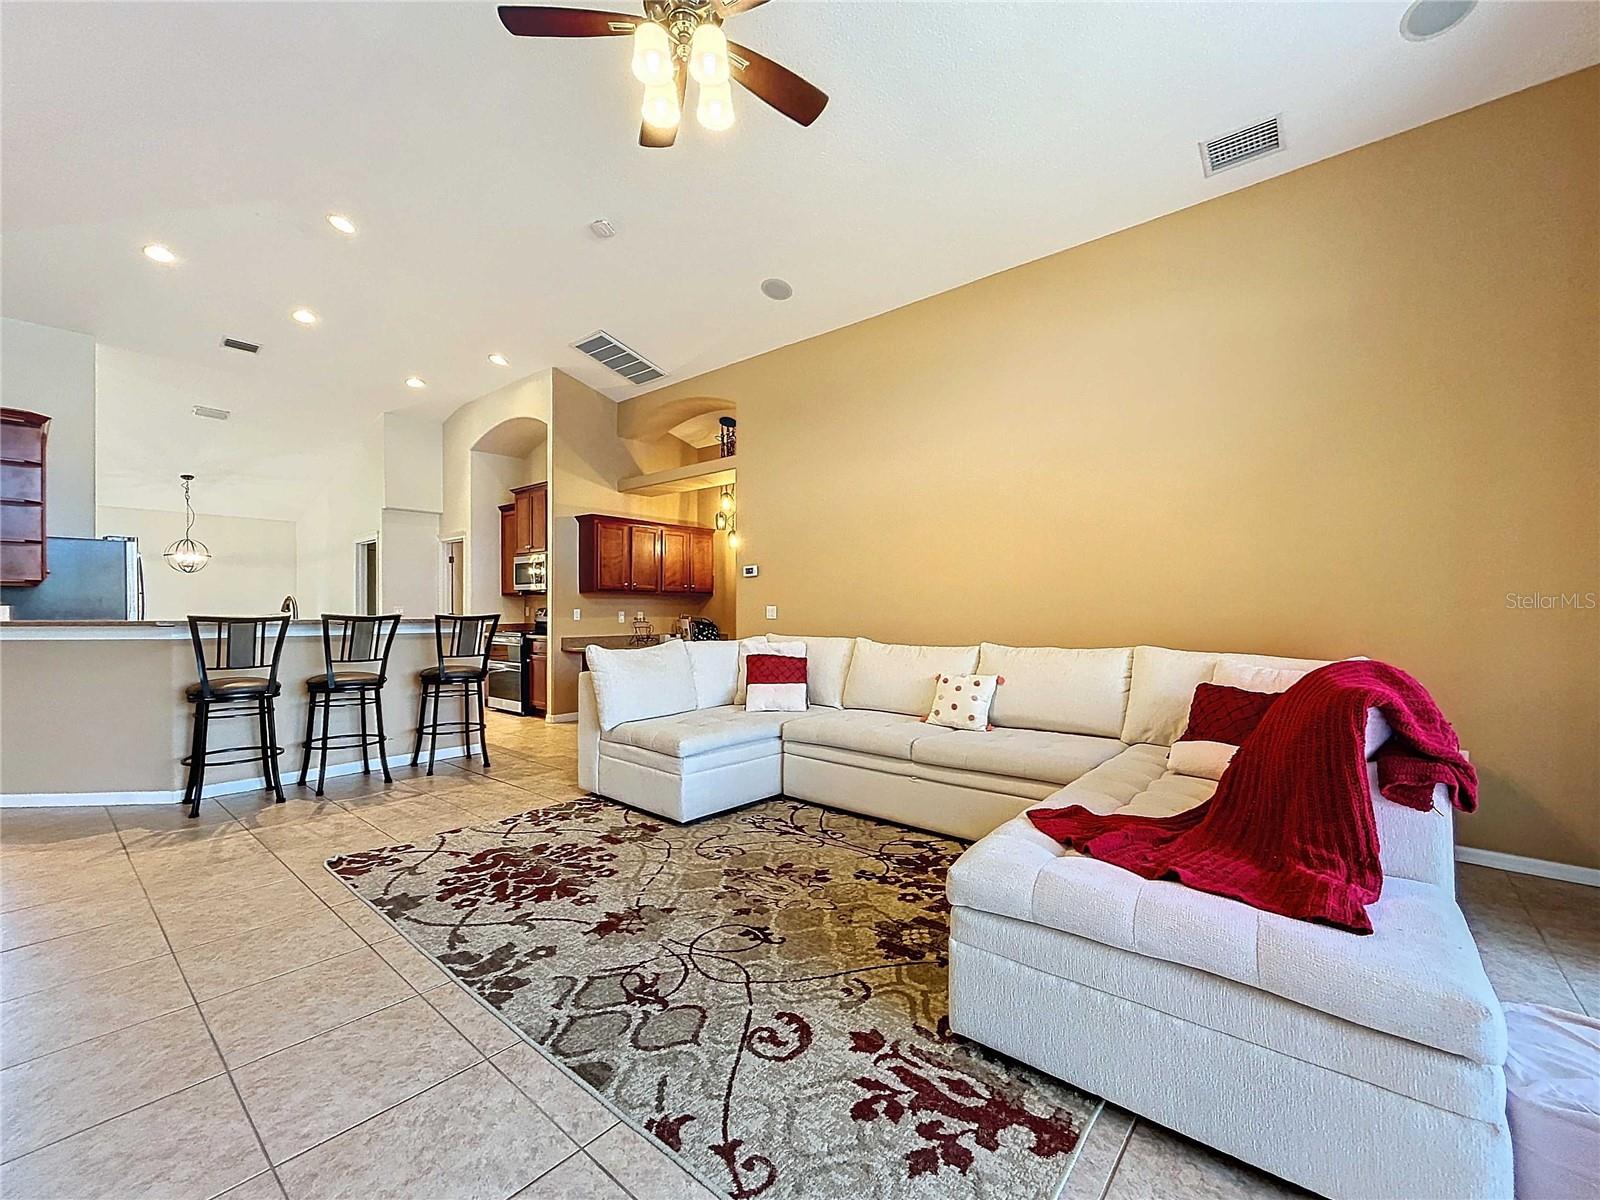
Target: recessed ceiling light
{"type": "Point", "coordinates": [499, 360]}
{"type": "Point", "coordinates": [1429, 18]}
{"type": "Point", "coordinates": [415, 381]}
{"type": "Point", "coordinates": [156, 252]}
{"type": "Point", "coordinates": [305, 316]}
{"type": "Point", "coordinates": [341, 222]}
{"type": "Point", "coordinates": [776, 289]}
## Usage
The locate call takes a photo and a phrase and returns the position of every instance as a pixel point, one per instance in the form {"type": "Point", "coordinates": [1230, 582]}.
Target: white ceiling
{"type": "Point", "coordinates": [961, 139]}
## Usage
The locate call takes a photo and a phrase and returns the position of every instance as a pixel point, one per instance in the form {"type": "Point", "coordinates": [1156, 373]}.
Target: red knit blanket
{"type": "Point", "coordinates": [1290, 828]}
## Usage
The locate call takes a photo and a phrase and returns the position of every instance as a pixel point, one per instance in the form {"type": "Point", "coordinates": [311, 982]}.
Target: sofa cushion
{"type": "Point", "coordinates": [1024, 753]}
{"type": "Point", "coordinates": [716, 672]}
{"type": "Point", "coordinates": [1065, 691]}
{"type": "Point", "coordinates": [638, 683]}
{"type": "Point", "coordinates": [1163, 685]}
{"type": "Point", "coordinates": [889, 735]}
{"type": "Point", "coordinates": [701, 731]}
{"type": "Point", "coordinates": [827, 664]}
{"type": "Point", "coordinates": [1417, 976]}
{"type": "Point", "coordinates": [899, 679]}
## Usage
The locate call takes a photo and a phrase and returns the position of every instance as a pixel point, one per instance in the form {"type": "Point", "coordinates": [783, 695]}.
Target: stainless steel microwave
{"type": "Point", "coordinates": [528, 572]}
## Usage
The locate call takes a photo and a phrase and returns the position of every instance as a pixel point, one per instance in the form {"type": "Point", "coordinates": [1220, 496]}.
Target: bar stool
{"type": "Point", "coordinates": [234, 644]}
{"type": "Point", "coordinates": [350, 645]}
{"type": "Point", "coordinates": [462, 644]}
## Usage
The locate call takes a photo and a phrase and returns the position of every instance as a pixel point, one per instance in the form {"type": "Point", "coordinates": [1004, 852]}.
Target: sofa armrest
{"type": "Point", "coordinates": [588, 734]}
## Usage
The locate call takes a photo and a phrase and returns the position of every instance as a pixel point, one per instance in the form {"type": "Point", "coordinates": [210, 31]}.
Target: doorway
{"type": "Point", "coordinates": [452, 575]}
{"type": "Point", "coordinates": [367, 577]}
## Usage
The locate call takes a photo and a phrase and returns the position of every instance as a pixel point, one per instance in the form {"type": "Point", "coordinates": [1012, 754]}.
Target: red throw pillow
{"type": "Point", "coordinates": [775, 668]}
{"type": "Point", "coordinates": [1226, 714]}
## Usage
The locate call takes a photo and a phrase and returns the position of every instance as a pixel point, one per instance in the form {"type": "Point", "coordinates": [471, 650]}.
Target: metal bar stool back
{"type": "Point", "coordinates": [461, 644]}
{"type": "Point", "coordinates": [236, 659]}
{"type": "Point", "coordinates": [355, 657]}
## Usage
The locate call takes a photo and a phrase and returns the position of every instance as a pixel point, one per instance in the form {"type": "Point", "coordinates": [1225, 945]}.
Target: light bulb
{"type": "Point", "coordinates": [660, 107]}
{"type": "Point", "coordinates": [652, 54]}
{"type": "Point", "coordinates": [156, 252]}
{"type": "Point", "coordinates": [733, 541]}
{"type": "Point", "coordinates": [708, 55]}
{"type": "Point", "coordinates": [715, 109]}
{"type": "Point", "coordinates": [304, 316]}
{"type": "Point", "coordinates": [727, 501]}
{"type": "Point", "coordinates": [342, 223]}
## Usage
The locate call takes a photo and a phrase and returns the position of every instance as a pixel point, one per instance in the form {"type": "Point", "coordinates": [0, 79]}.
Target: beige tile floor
{"type": "Point", "coordinates": [197, 1009]}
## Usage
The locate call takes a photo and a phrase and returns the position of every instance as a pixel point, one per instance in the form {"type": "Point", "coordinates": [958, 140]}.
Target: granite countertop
{"type": "Point", "coordinates": [611, 641]}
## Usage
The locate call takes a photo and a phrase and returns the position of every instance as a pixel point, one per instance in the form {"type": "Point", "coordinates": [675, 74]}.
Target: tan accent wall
{"type": "Point", "coordinates": [1348, 410]}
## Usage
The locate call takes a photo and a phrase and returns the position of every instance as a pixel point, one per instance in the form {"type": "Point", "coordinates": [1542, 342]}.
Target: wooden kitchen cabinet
{"type": "Point", "coordinates": [508, 549]}
{"type": "Point", "coordinates": [531, 504]}
{"type": "Point", "coordinates": [539, 681]}
{"type": "Point", "coordinates": [702, 561]}
{"type": "Point", "coordinates": [617, 554]}
{"type": "Point", "coordinates": [23, 436]}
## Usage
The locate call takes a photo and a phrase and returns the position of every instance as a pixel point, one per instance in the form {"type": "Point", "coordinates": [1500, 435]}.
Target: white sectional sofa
{"type": "Point", "coordinates": [1355, 1066]}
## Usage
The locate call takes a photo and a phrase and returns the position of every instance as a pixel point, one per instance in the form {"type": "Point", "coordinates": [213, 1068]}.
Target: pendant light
{"type": "Point", "coordinates": [186, 554]}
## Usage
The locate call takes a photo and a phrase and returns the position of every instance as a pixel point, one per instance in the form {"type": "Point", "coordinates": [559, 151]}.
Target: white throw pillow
{"type": "Point", "coordinates": [758, 644]}
{"type": "Point", "coordinates": [1202, 760]}
{"type": "Point", "coordinates": [636, 684]}
{"type": "Point", "coordinates": [716, 672]}
{"type": "Point", "coordinates": [900, 679]}
{"type": "Point", "coordinates": [962, 701]}
{"type": "Point", "coordinates": [827, 664]}
{"type": "Point", "coordinates": [776, 695]}
{"type": "Point", "coordinates": [1163, 686]}
{"type": "Point", "coordinates": [1257, 679]}
{"type": "Point", "coordinates": [1062, 691]}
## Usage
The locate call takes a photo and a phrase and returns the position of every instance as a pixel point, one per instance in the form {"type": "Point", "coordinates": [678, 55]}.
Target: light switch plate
{"type": "Point", "coordinates": [622, 618]}
{"type": "Point", "coordinates": [577, 614]}
{"type": "Point", "coordinates": [772, 612]}
{"type": "Point", "coordinates": [749, 570]}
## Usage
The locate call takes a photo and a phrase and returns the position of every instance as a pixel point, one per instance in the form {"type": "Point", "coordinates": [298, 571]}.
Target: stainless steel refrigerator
{"type": "Point", "coordinates": [91, 579]}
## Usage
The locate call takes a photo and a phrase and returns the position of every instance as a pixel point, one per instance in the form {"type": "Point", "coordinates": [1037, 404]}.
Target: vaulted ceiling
{"type": "Point", "coordinates": [962, 139]}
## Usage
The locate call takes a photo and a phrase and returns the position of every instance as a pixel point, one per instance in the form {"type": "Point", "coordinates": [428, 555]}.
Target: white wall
{"type": "Point", "coordinates": [413, 463]}
{"type": "Point", "coordinates": [348, 510]}
{"type": "Point", "coordinates": [252, 565]}
{"type": "Point", "coordinates": [408, 562]}
{"type": "Point", "coordinates": [51, 371]}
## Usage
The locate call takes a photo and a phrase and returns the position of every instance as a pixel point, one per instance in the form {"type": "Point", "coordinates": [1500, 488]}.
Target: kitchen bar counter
{"type": "Point", "coordinates": [93, 712]}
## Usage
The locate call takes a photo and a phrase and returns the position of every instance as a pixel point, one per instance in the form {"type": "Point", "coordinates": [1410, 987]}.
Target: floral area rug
{"type": "Point", "coordinates": [762, 991]}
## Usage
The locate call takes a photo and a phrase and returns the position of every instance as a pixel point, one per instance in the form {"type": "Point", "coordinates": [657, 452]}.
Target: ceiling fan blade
{"type": "Point", "coordinates": [728, 7]}
{"type": "Point", "coordinates": [777, 85]}
{"type": "Point", "coordinates": [532, 20]}
{"type": "Point", "coordinates": [660, 139]}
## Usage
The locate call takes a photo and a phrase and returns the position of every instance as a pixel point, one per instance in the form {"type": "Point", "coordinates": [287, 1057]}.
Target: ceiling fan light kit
{"type": "Point", "coordinates": [674, 41]}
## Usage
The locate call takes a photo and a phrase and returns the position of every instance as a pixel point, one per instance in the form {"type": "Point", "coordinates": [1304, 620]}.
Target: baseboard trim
{"type": "Point", "coordinates": [562, 718]}
{"type": "Point", "coordinates": [1522, 865]}
{"type": "Point", "coordinates": [226, 787]}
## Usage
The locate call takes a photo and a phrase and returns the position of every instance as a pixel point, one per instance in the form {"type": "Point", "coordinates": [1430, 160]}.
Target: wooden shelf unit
{"type": "Point", "coordinates": [23, 439]}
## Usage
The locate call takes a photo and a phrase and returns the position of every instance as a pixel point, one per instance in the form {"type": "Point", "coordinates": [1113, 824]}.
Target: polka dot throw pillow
{"type": "Point", "coordinates": [962, 701]}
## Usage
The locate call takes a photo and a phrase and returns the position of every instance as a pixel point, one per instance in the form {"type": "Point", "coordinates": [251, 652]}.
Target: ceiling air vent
{"type": "Point", "coordinates": [609, 352]}
{"type": "Point", "coordinates": [209, 413]}
{"type": "Point", "coordinates": [1241, 146]}
{"type": "Point", "coordinates": [236, 344]}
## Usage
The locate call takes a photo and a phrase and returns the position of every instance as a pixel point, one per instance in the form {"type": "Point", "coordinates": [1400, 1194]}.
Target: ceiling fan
{"type": "Point", "coordinates": [672, 41]}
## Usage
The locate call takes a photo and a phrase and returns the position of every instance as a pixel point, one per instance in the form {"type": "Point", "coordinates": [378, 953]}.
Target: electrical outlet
{"type": "Point", "coordinates": [577, 614]}
{"type": "Point", "coordinates": [622, 618]}
{"type": "Point", "coordinates": [638, 616]}
{"type": "Point", "coordinates": [772, 612]}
